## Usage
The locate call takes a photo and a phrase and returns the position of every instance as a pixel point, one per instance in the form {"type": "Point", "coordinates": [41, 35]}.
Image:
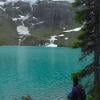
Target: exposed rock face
{"type": "Point", "coordinates": [34, 16]}
{"type": "Point", "coordinates": [52, 13]}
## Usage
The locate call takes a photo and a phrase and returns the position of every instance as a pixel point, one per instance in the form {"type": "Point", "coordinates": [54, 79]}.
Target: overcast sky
{"type": "Point", "coordinates": [35, 0]}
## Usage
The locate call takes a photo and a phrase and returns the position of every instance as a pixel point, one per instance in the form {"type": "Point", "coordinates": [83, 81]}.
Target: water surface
{"type": "Point", "coordinates": [43, 73]}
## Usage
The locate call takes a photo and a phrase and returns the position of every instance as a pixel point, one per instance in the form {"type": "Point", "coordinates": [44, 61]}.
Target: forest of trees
{"type": "Point", "coordinates": [88, 14]}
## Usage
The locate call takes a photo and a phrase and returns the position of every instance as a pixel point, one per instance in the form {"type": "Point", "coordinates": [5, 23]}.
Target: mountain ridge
{"type": "Point", "coordinates": [42, 20]}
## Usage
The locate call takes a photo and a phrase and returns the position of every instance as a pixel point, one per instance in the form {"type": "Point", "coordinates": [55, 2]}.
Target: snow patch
{"type": "Point", "coordinates": [66, 38]}
{"type": "Point", "coordinates": [64, 28]}
{"type": "Point", "coordinates": [14, 19]}
{"type": "Point", "coordinates": [16, 7]}
{"type": "Point", "coordinates": [41, 22]}
{"type": "Point", "coordinates": [51, 45]}
{"type": "Point", "coordinates": [23, 30]}
{"type": "Point", "coordinates": [53, 39]}
{"type": "Point", "coordinates": [2, 8]}
{"type": "Point", "coordinates": [61, 35]}
{"type": "Point", "coordinates": [2, 3]}
{"type": "Point", "coordinates": [23, 18]}
{"type": "Point", "coordinates": [74, 30]}
{"type": "Point", "coordinates": [34, 18]}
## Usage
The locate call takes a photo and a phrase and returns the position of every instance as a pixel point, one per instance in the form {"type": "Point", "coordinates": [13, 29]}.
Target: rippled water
{"type": "Point", "coordinates": [42, 73]}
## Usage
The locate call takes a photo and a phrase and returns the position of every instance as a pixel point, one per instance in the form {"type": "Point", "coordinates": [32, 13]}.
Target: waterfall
{"type": "Point", "coordinates": [52, 40]}
{"type": "Point", "coordinates": [19, 42]}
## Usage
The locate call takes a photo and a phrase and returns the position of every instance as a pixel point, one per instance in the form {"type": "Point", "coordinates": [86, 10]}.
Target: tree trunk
{"type": "Point", "coordinates": [96, 50]}
{"type": "Point", "coordinates": [97, 68]}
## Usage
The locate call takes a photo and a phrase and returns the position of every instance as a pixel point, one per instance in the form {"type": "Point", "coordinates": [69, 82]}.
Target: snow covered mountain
{"type": "Point", "coordinates": [23, 23]}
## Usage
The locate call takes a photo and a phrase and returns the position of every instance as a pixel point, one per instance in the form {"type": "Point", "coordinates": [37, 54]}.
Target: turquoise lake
{"type": "Point", "coordinates": [42, 73]}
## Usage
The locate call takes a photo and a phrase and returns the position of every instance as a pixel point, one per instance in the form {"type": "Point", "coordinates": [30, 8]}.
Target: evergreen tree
{"type": "Point", "coordinates": [89, 39]}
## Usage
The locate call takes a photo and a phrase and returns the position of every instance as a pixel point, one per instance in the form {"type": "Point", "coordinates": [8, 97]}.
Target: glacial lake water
{"type": "Point", "coordinates": [42, 73]}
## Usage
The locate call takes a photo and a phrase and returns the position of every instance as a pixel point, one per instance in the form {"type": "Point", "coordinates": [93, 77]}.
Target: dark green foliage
{"type": "Point", "coordinates": [86, 36]}
{"type": "Point", "coordinates": [80, 16]}
{"type": "Point", "coordinates": [82, 35]}
{"type": "Point", "coordinates": [76, 44]}
{"type": "Point", "coordinates": [89, 39]}
{"type": "Point", "coordinates": [86, 15]}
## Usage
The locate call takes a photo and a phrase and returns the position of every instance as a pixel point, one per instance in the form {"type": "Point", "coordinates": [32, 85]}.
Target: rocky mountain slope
{"type": "Point", "coordinates": [22, 23]}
